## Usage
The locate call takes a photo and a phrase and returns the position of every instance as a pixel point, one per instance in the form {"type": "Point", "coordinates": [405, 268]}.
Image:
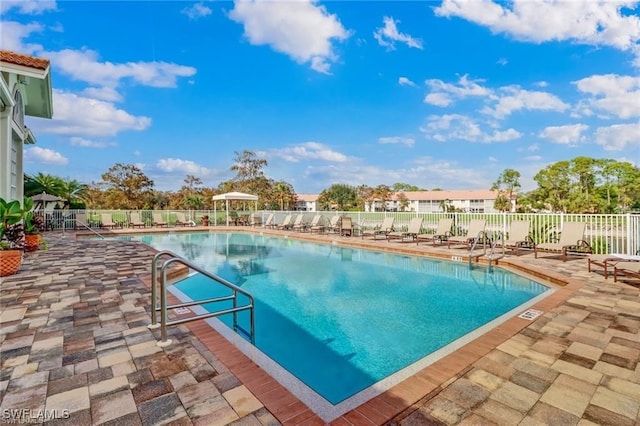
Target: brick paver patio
{"type": "Point", "coordinates": [74, 345]}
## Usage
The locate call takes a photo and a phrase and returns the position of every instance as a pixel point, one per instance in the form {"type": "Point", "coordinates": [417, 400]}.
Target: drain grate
{"type": "Point", "coordinates": [530, 314]}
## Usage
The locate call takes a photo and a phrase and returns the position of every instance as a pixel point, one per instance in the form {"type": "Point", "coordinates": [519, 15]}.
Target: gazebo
{"type": "Point", "coordinates": [233, 196]}
{"type": "Point", "coordinates": [45, 201]}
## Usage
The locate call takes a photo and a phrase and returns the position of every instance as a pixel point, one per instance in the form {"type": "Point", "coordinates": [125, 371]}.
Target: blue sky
{"type": "Point", "coordinates": [436, 94]}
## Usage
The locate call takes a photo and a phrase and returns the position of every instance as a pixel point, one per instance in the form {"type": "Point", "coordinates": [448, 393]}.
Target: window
{"type": "Point", "coordinates": [14, 171]}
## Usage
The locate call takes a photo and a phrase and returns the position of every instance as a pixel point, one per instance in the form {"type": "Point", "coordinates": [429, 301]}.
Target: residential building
{"type": "Point", "coordinates": [25, 90]}
{"type": "Point", "coordinates": [472, 201]}
{"type": "Point", "coordinates": [307, 202]}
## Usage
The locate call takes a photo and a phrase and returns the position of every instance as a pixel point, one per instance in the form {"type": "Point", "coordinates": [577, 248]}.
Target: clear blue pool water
{"type": "Point", "coordinates": [341, 319]}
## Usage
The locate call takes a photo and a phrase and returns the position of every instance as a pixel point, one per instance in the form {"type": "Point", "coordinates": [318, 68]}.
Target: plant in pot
{"type": "Point", "coordinates": [11, 236]}
{"type": "Point", "coordinates": [33, 224]}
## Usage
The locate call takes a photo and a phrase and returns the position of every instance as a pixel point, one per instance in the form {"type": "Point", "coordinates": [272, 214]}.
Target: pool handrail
{"type": "Point", "coordinates": [164, 309]}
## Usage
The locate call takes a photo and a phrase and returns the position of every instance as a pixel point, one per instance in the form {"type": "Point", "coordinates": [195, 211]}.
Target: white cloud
{"type": "Point", "coordinates": [87, 143]}
{"type": "Point", "coordinates": [28, 7]}
{"type": "Point", "coordinates": [516, 99]}
{"type": "Point", "coordinates": [389, 34]}
{"type": "Point", "coordinates": [44, 155]}
{"type": "Point", "coordinates": [452, 127]}
{"type": "Point", "coordinates": [403, 140]}
{"type": "Point", "coordinates": [618, 137]}
{"type": "Point", "coordinates": [196, 11]}
{"type": "Point", "coordinates": [404, 81]}
{"type": "Point", "coordinates": [13, 34]}
{"type": "Point", "coordinates": [79, 116]}
{"type": "Point", "coordinates": [300, 29]}
{"type": "Point", "coordinates": [443, 94]}
{"type": "Point", "coordinates": [84, 65]}
{"type": "Point", "coordinates": [612, 94]}
{"type": "Point", "coordinates": [308, 150]}
{"type": "Point", "coordinates": [502, 61]}
{"type": "Point", "coordinates": [567, 135]}
{"type": "Point", "coordinates": [533, 158]}
{"type": "Point", "coordinates": [492, 159]}
{"type": "Point", "coordinates": [590, 22]}
{"type": "Point", "coordinates": [103, 93]}
{"type": "Point", "coordinates": [184, 166]}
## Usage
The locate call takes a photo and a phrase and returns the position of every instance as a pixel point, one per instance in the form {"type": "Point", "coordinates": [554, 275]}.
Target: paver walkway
{"type": "Point", "coordinates": [74, 344]}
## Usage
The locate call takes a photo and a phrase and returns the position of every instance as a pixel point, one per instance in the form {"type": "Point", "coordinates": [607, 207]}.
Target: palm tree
{"type": "Point", "coordinates": [73, 191]}
{"type": "Point", "coordinates": [42, 183]}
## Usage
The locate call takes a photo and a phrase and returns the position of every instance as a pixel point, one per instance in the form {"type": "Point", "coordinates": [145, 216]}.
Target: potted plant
{"type": "Point", "coordinates": [33, 223]}
{"type": "Point", "coordinates": [11, 236]}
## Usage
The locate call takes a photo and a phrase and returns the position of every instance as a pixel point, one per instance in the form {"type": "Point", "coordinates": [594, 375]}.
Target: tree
{"type": "Point", "coordinates": [507, 185]}
{"type": "Point", "coordinates": [127, 187]}
{"type": "Point", "coordinates": [248, 166]}
{"type": "Point", "coordinates": [397, 187]}
{"type": "Point", "coordinates": [74, 192]}
{"type": "Point", "coordinates": [42, 182]}
{"type": "Point", "coordinates": [383, 194]}
{"type": "Point", "coordinates": [284, 195]}
{"type": "Point", "coordinates": [403, 201]}
{"type": "Point", "coordinates": [554, 184]}
{"type": "Point", "coordinates": [343, 197]}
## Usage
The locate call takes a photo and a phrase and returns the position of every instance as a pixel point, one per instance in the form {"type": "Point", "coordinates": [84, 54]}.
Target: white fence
{"type": "Point", "coordinates": [606, 233]}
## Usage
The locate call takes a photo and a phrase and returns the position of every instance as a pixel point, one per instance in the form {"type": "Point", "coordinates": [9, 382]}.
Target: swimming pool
{"type": "Point", "coordinates": [341, 320]}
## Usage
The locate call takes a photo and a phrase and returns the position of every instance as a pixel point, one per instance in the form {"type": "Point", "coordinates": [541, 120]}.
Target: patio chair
{"type": "Point", "coordinates": [256, 220]}
{"type": "Point", "coordinates": [346, 226]}
{"type": "Point", "coordinates": [443, 232]}
{"type": "Point", "coordinates": [296, 223]}
{"type": "Point", "coordinates": [314, 222]}
{"type": "Point", "coordinates": [107, 221]}
{"type": "Point", "coordinates": [475, 231]}
{"type": "Point", "coordinates": [158, 220]}
{"type": "Point", "coordinates": [319, 226]}
{"type": "Point", "coordinates": [81, 221]}
{"type": "Point", "coordinates": [605, 261]}
{"type": "Point", "coordinates": [415, 224]}
{"type": "Point", "coordinates": [571, 241]}
{"type": "Point", "coordinates": [183, 221]}
{"type": "Point", "coordinates": [334, 224]}
{"type": "Point", "coordinates": [626, 269]}
{"type": "Point", "coordinates": [299, 225]}
{"type": "Point", "coordinates": [518, 236]}
{"type": "Point", "coordinates": [379, 231]}
{"type": "Point", "coordinates": [134, 220]}
{"type": "Point", "coordinates": [286, 223]}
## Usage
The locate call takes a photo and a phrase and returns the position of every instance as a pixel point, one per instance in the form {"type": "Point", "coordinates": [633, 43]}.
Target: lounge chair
{"type": "Point", "coordinates": [319, 226]}
{"type": "Point", "coordinates": [134, 220]}
{"type": "Point", "coordinates": [334, 224]}
{"type": "Point", "coordinates": [626, 269]}
{"type": "Point", "coordinates": [183, 221]}
{"type": "Point", "coordinates": [107, 221]}
{"type": "Point", "coordinates": [81, 221]}
{"type": "Point", "coordinates": [296, 222]}
{"type": "Point", "coordinates": [314, 222]}
{"type": "Point", "coordinates": [269, 222]}
{"type": "Point", "coordinates": [606, 261]}
{"type": "Point", "coordinates": [286, 223]}
{"type": "Point", "coordinates": [158, 220]}
{"type": "Point", "coordinates": [443, 232]}
{"type": "Point", "coordinates": [346, 227]}
{"type": "Point", "coordinates": [256, 220]}
{"type": "Point", "coordinates": [571, 241]}
{"type": "Point", "coordinates": [415, 224]}
{"type": "Point", "coordinates": [518, 236]}
{"type": "Point", "coordinates": [476, 227]}
{"type": "Point", "coordinates": [300, 225]}
{"type": "Point", "coordinates": [379, 231]}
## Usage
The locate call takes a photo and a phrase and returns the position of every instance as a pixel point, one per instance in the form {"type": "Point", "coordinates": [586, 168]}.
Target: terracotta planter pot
{"type": "Point", "coordinates": [32, 242]}
{"type": "Point", "coordinates": [10, 261]}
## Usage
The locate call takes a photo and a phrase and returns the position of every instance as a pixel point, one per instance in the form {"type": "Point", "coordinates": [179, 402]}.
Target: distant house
{"type": "Point", "coordinates": [307, 202]}
{"type": "Point", "coordinates": [471, 201]}
{"type": "Point", "coordinates": [25, 89]}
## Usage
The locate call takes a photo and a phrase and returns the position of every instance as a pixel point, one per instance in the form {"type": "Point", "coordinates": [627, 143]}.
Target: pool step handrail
{"type": "Point", "coordinates": [164, 309]}
{"type": "Point", "coordinates": [492, 254]}
{"type": "Point", "coordinates": [84, 225]}
{"type": "Point", "coordinates": [472, 254]}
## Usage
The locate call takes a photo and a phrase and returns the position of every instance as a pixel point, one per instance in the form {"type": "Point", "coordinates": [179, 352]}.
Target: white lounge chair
{"type": "Point", "coordinates": [518, 236]}
{"type": "Point", "coordinates": [571, 241]}
{"type": "Point", "coordinates": [158, 220]}
{"type": "Point", "coordinates": [443, 232]}
{"type": "Point", "coordinates": [134, 220]}
{"type": "Point", "coordinates": [476, 227]}
{"type": "Point", "coordinates": [107, 221]}
{"type": "Point", "coordinates": [286, 223]}
{"type": "Point", "coordinates": [379, 231]}
{"type": "Point", "coordinates": [606, 261]}
{"type": "Point", "coordinates": [415, 224]}
{"type": "Point", "coordinates": [626, 269]}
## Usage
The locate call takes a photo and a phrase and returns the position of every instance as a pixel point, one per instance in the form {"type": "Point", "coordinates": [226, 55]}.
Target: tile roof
{"type": "Point", "coordinates": [472, 194]}
{"type": "Point", "coordinates": [307, 197]}
{"type": "Point", "coordinates": [24, 60]}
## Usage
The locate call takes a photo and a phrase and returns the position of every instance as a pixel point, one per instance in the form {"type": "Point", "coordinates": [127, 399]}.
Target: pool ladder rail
{"type": "Point", "coordinates": [483, 238]}
{"type": "Point", "coordinates": [163, 308]}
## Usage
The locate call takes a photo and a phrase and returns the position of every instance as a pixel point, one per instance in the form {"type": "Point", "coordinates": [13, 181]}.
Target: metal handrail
{"type": "Point", "coordinates": [481, 236]}
{"type": "Point", "coordinates": [492, 256]}
{"type": "Point", "coordinates": [88, 227]}
{"type": "Point", "coordinates": [174, 258]}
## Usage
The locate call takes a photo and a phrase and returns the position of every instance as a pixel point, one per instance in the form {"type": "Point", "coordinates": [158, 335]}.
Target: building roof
{"type": "Point", "coordinates": [468, 194]}
{"type": "Point", "coordinates": [24, 60]}
{"type": "Point", "coordinates": [307, 197]}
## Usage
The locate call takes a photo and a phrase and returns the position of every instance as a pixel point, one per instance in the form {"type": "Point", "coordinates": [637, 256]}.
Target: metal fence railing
{"type": "Point", "coordinates": [606, 233]}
